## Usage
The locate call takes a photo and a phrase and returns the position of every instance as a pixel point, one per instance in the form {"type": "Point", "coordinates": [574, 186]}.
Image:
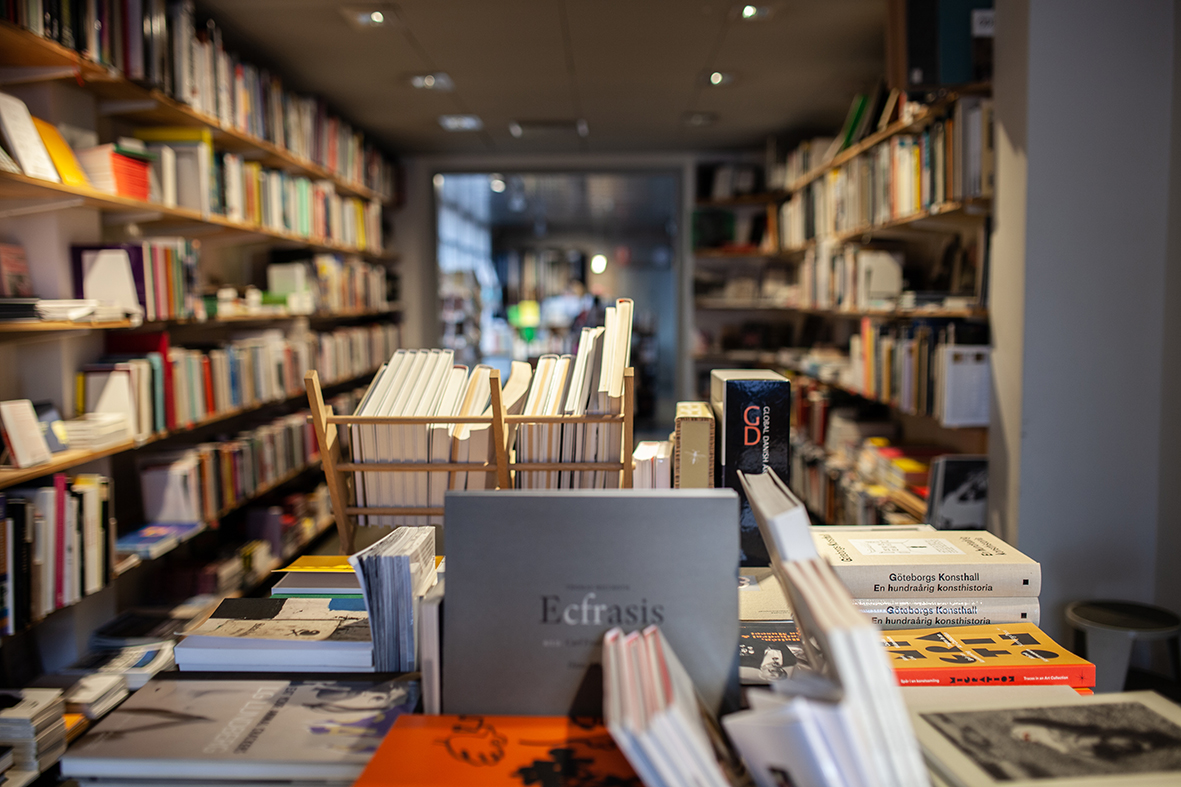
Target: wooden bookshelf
{"type": "Point", "coordinates": [932, 420]}
{"type": "Point", "coordinates": [20, 48]}
{"type": "Point", "coordinates": [723, 304]}
{"type": "Point", "coordinates": [70, 458]}
{"type": "Point", "coordinates": [47, 195]}
{"type": "Point", "coordinates": [751, 253]}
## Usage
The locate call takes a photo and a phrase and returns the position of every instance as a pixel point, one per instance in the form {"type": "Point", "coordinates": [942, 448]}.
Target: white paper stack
{"type": "Point", "coordinates": [653, 713]}
{"type": "Point", "coordinates": [849, 715]}
{"type": "Point", "coordinates": [653, 465]}
{"type": "Point", "coordinates": [395, 573]}
{"type": "Point", "coordinates": [96, 431]}
{"type": "Point", "coordinates": [32, 725]}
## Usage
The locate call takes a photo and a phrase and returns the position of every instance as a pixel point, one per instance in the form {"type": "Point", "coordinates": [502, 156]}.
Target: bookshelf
{"type": "Point", "coordinates": [27, 58]}
{"type": "Point", "coordinates": [100, 104]}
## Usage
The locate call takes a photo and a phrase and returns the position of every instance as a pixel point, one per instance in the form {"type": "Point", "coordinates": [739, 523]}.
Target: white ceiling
{"type": "Point", "coordinates": [632, 69]}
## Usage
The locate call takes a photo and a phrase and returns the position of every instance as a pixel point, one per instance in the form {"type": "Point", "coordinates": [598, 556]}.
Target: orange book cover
{"type": "Point", "coordinates": [497, 750]}
{"type": "Point", "coordinates": [1011, 654]}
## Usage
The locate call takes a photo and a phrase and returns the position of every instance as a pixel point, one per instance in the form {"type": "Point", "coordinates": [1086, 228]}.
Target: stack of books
{"type": "Point", "coordinates": [394, 573]}
{"type": "Point", "coordinates": [653, 465]}
{"type": "Point", "coordinates": [96, 431]}
{"type": "Point", "coordinates": [242, 732]}
{"type": "Point", "coordinates": [117, 169]}
{"type": "Point", "coordinates": [158, 274]}
{"type": "Point", "coordinates": [652, 710]}
{"type": "Point", "coordinates": [31, 723]}
{"type": "Point", "coordinates": [269, 634]}
{"type": "Point", "coordinates": [910, 579]}
{"type": "Point", "coordinates": [136, 664]}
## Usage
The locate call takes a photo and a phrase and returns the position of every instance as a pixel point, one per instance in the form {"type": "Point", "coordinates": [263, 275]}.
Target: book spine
{"type": "Point", "coordinates": [940, 582]}
{"type": "Point", "coordinates": [895, 613]}
{"type": "Point", "coordinates": [60, 546]}
{"type": "Point", "coordinates": [1080, 675]}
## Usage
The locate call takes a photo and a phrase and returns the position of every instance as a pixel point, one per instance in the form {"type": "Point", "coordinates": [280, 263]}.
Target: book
{"type": "Point", "coordinates": [50, 420]}
{"type": "Point", "coordinates": [971, 563]}
{"type": "Point", "coordinates": [137, 664]}
{"type": "Point", "coordinates": [15, 281]}
{"type": "Point", "coordinates": [1101, 739]}
{"type": "Point", "coordinates": [491, 750]}
{"type": "Point", "coordinates": [93, 696]}
{"type": "Point", "coordinates": [894, 613]}
{"type": "Point", "coordinates": [753, 412]}
{"type": "Point", "coordinates": [22, 434]}
{"type": "Point", "coordinates": [327, 584]}
{"type": "Point", "coordinates": [23, 141]}
{"type": "Point", "coordinates": [262, 634]}
{"type": "Point", "coordinates": [958, 496]}
{"type": "Point", "coordinates": [767, 650]}
{"type": "Point", "coordinates": [244, 730]}
{"type": "Point", "coordinates": [760, 595]}
{"type": "Point", "coordinates": [1010, 654]}
{"type": "Point", "coordinates": [562, 581]}
{"type": "Point", "coordinates": [693, 446]}
{"type": "Point", "coordinates": [61, 154]}
{"type": "Point", "coordinates": [117, 170]}
{"type": "Point", "coordinates": [152, 541]}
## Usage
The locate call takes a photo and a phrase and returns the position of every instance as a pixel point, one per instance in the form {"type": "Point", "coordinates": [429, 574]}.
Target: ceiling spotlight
{"type": "Point", "coordinates": [436, 81]}
{"type": "Point", "coordinates": [755, 12]}
{"type": "Point", "coordinates": [516, 130]}
{"type": "Point", "coordinates": [496, 184]}
{"type": "Point", "coordinates": [461, 122]}
{"type": "Point", "coordinates": [700, 119]}
{"type": "Point", "coordinates": [598, 263]}
{"type": "Point", "coordinates": [438, 180]}
{"type": "Point", "coordinates": [366, 17]}
{"type": "Point", "coordinates": [719, 78]}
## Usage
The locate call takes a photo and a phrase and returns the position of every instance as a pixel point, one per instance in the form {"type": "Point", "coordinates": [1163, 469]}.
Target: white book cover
{"type": "Point", "coordinates": [364, 437]}
{"type": "Point", "coordinates": [398, 486]}
{"type": "Point", "coordinates": [22, 139]}
{"type": "Point", "coordinates": [418, 486]}
{"type": "Point", "coordinates": [22, 433]}
{"type": "Point", "coordinates": [586, 398]}
{"type": "Point", "coordinates": [568, 432]}
{"type": "Point", "coordinates": [391, 440]}
{"type": "Point", "coordinates": [474, 402]}
{"type": "Point", "coordinates": [594, 447]}
{"type": "Point", "coordinates": [532, 433]}
{"type": "Point", "coordinates": [440, 437]}
{"type": "Point", "coordinates": [550, 433]}
{"type": "Point", "coordinates": [112, 391]}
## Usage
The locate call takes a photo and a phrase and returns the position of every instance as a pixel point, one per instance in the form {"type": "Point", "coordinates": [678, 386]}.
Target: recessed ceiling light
{"type": "Point", "coordinates": [435, 81]}
{"type": "Point", "coordinates": [719, 78]}
{"type": "Point", "coordinates": [461, 122]}
{"type": "Point", "coordinates": [598, 263]}
{"type": "Point", "coordinates": [438, 180]}
{"type": "Point", "coordinates": [700, 119]}
{"type": "Point", "coordinates": [516, 130]}
{"type": "Point", "coordinates": [367, 17]}
{"type": "Point", "coordinates": [496, 183]}
{"type": "Point", "coordinates": [755, 12]}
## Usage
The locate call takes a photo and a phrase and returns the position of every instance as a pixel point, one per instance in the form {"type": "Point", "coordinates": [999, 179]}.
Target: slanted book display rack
{"type": "Point", "coordinates": [339, 471]}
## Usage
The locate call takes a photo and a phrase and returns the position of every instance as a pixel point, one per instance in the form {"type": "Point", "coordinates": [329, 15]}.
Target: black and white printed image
{"type": "Point", "coordinates": [1065, 741]}
{"type": "Point", "coordinates": [959, 500]}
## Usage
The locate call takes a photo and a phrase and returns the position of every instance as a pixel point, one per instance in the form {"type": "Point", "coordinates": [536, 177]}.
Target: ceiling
{"type": "Point", "coordinates": [632, 69]}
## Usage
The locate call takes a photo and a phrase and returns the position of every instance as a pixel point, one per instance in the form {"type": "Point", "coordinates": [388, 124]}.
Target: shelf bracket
{"type": "Point", "coordinates": [10, 208]}
{"type": "Point", "coordinates": [22, 75]}
{"type": "Point", "coordinates": [107, 108]}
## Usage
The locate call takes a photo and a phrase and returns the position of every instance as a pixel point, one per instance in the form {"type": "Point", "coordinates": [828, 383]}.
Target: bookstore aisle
{"type": "Point", "coordinates": [332, 445]}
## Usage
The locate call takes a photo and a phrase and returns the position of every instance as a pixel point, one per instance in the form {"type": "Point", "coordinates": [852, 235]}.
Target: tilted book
{"type": "Point", "coordinates": [952, 564]}
{"type": "Point", "coordinates": [897, 613]}
{"type": "Point", "coordinates": [204, 730]}
{"type": "Point", "coordinates": [1008, 655]}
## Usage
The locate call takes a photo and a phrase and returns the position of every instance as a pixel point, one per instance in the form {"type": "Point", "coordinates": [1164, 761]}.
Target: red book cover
{"type": "Point", "coordinates": [207, 373]}
{"type": "Point", "coordinates": [119, 343]}
{"type": "Point", "coordinates": [59, 559]}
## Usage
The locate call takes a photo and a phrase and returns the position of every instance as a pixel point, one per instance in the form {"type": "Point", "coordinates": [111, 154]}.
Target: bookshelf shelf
{"type": "Point", "coordinates": [969, 430]}
{"type": "Point", "coordinates": [751, 253]}
{"type": "Point", "coordinates": [23, 48]}
{"type": "Point", "coordinates": [181, 221]}
{"type": "Point", "coordinates": [65, 460]}
{"type": "Point", "coordinates": [764, 198]}
{"type": "Point", "coordinates": [722, 304]}
{"type": "Point", "coordinates": [11, 331]}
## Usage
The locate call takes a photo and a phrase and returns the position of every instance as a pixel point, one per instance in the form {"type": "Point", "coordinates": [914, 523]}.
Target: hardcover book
{"type": "Point", "coordinates": [1007, 655]}
{"type": "Point", "coordinates": [898, 613]}
{"type": "Point", "coordinates": [497, 750]}
{"type": "Point", "coordinates": [204, 730]}
{"type": "Point", "coordinates": [753, 411]}
{"type": "Point", "coordinates": [535, 578]}
{"type": "Point", "coordinates": [950, 564]}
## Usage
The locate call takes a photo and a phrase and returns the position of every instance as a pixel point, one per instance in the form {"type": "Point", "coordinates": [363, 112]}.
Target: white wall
{"type": "Point", "coordinates": [1089, 280]}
